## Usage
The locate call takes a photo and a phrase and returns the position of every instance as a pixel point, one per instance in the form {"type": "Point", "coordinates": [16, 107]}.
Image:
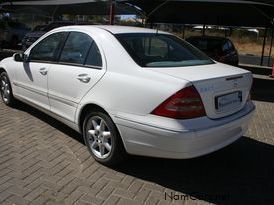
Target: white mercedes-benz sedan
{"type": "Point", "coordinates": [131, 90]}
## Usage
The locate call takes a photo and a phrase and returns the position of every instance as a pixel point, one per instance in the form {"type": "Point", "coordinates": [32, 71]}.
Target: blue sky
{"type": "Point", "coordinates": [124, 17]}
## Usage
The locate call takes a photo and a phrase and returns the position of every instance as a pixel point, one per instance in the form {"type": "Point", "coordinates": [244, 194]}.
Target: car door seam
{"type": "Point", "coordinates": [63, 100]}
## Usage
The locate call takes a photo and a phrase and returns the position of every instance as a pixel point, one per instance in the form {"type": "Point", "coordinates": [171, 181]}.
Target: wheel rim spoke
{"type": "Point", "coordinates": [3, 82]}
{"type": "Point", "coordinates": [91, 132]}
{"type": "Point", "coordinates": [107, 146]}
{"type": "Point", "coordinates": [102, 126]}
{"type": "Point", "coordinates": [94, 124]}
{"type": "Point", "coordinates": [94, 144]}
{"type": "Point", "coordinates": [106, 134]}
{"type": "Point", "coordinates": [102, 149]}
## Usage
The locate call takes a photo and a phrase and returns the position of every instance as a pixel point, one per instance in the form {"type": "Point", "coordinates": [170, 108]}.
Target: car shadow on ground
{"type": "Point", "coordinates": [242, 173]}
{"type": "Point", "coordinates": [49, 120]}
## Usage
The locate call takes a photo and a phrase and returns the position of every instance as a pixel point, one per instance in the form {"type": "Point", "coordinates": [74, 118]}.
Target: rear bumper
{"type": "Point", "coordinates": [195, 138]}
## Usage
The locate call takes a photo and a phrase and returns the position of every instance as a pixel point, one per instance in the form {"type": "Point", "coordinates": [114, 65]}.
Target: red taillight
{"type": "Point", "coordinates": [185, 104]}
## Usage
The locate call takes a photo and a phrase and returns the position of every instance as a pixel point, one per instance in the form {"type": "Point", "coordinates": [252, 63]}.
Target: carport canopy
{"type": "Point", "coordinates": [252, 13]}
{"type": "Point", "coordinates": [259, 13]}
{"type": "Point", "coordinates": [56, 7]}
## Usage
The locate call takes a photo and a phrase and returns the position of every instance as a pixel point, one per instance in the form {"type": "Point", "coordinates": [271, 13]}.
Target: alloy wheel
{"type": "Point", "coordinates": [99, 137]}
{"type": "Point", "coordinates": [5, 89]}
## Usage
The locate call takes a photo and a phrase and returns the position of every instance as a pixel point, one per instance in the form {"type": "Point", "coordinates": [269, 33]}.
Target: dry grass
{"type": "Point", "coordinates": [252, 46]}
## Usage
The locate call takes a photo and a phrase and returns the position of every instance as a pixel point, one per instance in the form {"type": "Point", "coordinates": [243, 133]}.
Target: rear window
{"type": "Point", "coordinates": [76, 48]}
{"type": "Point", "coordinates": [161, 50]}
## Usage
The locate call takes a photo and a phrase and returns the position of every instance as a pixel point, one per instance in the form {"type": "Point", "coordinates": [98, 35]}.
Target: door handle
{"type": "Point", "coordinates": [84, 78]}
{"type": "Point", "coordinates": [43, 71]}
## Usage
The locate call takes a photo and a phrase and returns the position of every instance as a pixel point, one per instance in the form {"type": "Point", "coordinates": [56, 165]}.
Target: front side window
{"type": "Point", "coordinates": [161, 50]}
{"type": "Point", "coordinates": [46, 50]}
{"type": "Point", "coordinates": [76, 48]}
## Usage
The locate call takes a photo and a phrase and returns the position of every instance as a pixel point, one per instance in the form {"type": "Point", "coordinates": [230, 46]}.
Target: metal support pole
{"type": "Point", "coordinates": [204, 27]}
{"type": "Point", "coordinates": [262, 57]}
{"type": "Point", "coordinates": [53, 14]}
{"type": "Point", "coordinates": [151, 25]}
{"type": "Point", "coordinates": [270, 50]}
{"type": "Point", "coordinates": [112, 12]}
{"type": "Point", "coordinates": [32, 21]}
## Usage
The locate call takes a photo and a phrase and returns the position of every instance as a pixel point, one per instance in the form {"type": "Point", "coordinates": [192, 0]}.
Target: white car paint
{"type": "Point", "coordinates": [129, 93]}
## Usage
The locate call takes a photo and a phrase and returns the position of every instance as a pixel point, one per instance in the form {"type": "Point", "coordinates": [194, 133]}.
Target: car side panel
{"type": "Point", "coordinates": [66, 90]}
{"type": "Point", "coordinates": [31, 83]}
{"type": "Point", "coordinates": [121, 93]}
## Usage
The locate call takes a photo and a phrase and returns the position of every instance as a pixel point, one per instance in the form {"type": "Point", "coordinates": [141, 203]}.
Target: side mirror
{"type": "Point", "coordinates": [20, 57]}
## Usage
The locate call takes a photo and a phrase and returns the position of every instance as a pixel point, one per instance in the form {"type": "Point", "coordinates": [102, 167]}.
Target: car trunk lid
{"type": "Point", "coordinates": [224, 89]}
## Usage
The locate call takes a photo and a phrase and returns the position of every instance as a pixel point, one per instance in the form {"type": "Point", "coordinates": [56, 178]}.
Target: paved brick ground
{"type": "Point", "coordinates": [45, 162]}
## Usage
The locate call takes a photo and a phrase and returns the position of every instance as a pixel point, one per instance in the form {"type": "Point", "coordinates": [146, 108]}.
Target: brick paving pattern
{"type": "Point", "coordinates": [44, 162]}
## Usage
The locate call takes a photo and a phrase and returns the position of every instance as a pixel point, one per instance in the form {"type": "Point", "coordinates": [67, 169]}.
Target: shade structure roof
{"type": "Point", "coordinates": [82, 7]}
{"type": "Point", "coordinates": [252, 13]}
{"type": "Point", "coordinates": [257, 13]}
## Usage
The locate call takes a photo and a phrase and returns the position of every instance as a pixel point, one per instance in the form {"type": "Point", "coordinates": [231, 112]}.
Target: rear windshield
{"type": "Point", "coordinates": [161, 50]}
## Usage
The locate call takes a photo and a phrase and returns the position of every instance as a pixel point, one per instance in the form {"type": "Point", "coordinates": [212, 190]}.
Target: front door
{"type": "Point", "coordinates": [31, 78]}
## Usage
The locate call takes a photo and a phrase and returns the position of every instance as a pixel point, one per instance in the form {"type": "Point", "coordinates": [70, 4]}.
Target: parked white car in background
{"type": "Point", "coordinates": [131, 90]}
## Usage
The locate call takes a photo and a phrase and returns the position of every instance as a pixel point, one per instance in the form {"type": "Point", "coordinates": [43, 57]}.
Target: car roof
{"type": "Point", "coordinates": [127, 29]}
{"type": "Point", "coordinates": [117, 29]}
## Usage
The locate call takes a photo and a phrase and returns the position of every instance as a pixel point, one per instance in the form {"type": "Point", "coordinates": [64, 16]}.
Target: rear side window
{"type": "Point", "coordinates": [76, 48]}
{"type": "Point", "coordinates": [94, 56]}
{"type": "Point", "coordinates": [46, 50]}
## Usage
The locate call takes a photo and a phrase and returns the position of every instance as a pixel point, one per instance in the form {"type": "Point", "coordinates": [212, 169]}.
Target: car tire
{"type": "Point", "coordinates": [103, 139]}
{"type": "Point", "coordinates": [6, 90]}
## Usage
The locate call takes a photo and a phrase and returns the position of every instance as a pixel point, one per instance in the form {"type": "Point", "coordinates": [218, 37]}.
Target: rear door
{"type": "Point", "coordinates": [79, 68]}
